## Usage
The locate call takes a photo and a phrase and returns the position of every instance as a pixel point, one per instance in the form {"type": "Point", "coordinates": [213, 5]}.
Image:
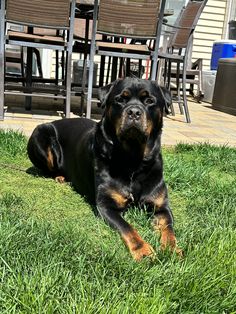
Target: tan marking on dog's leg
{"type": "Point", "coordinates": [60, 179]}
{"type": "Point", "coordinates": [160, 199]}
{"type": "Point", "coordinates": [50, 162]}
{"type": "Point", "coordinates": [119, 199]}
{"type": "Point", "coordinates": [137, 246]}
{"type": "Point", "coordinates": [168, 238]}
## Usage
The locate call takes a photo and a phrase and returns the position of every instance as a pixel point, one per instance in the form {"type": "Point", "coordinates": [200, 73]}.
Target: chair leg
{"type": "Point", "coordinates": [127, 70]}
{"type": "Point", "coordinates": [28, 99]}
{"type": "Point", "coordinates": [84, 80]}
{"type": "Point", "coordinates": [2, 57]}
{"type": "Point", "coordinates": [178, 87]}
{"type": "Point", "coordinates": [38, 59]}
{"type": "Point", "coordinates": [90, 87]}
{"type": "Point", "coordinates": [165, 73]}
{"type": "Point", "coordinates": [56, 68]}
{"type": "Point", "coordinates": [63, 66]}
{"type": "Point", "coordinates": [68, 84]}
{"type": "Point", "coordinates": [22, 65]}
{"type": "Point", "coordinates": [102, 70]}
{"type": "Point", "coordinates": [201, 91]}
{"type": "Point", "coordinates": [108, 69]}
{"type": "Point", "coordinates": [121, 68]}
{"type": "Point", "coordinates": [91, 62]}
{"type": "Point", "coordinates": [185, 104]}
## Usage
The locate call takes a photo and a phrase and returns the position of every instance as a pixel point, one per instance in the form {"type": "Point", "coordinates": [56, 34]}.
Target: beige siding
{"type": "Point", "coordinates": [209, 29]}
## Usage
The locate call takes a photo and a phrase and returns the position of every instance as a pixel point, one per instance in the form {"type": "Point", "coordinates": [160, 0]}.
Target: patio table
{"type": "Point", "coordinates": [85, 11]}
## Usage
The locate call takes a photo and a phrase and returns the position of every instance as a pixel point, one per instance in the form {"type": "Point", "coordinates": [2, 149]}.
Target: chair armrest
{"type": "Point", "coordinates": [165, 32]}
{"type": "Point", "coordinates": [176, 26]}
{"type": "Point", "coordinates": [197, 64]}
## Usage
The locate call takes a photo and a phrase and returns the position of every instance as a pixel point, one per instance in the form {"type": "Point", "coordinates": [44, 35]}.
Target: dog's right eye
{"type": "Point", "coordinates": [120, 99]}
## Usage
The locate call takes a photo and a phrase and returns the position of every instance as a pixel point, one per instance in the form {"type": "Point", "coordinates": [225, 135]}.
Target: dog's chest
{"type": "Point", "coordinates": [133, 187]}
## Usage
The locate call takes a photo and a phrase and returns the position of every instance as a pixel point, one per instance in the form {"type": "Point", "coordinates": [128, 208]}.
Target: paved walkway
{"type": "Point", "coordinates": [207, 125]}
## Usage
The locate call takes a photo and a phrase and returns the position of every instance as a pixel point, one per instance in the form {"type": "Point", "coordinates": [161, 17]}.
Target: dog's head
{"type": "Point", "coordinates": [134, 108]}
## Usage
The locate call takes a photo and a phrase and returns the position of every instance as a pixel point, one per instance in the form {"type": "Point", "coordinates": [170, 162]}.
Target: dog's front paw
{"type": "Point", "coordinates": [179, 252]}
{"type": "Point", "coordinates": [168, 241]}
{"type": "Point", "coordinates": [60, 179]}
{"type": "Point", "coordinates": [145, 250]}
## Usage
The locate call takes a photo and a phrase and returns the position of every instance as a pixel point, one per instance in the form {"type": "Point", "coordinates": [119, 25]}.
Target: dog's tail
{"type": "Point", "coordinates": [44, 149]}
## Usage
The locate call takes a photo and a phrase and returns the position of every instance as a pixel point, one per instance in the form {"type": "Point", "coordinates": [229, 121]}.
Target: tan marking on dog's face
{"type": "Point", "coordinates": [125, 93]}
{"type": "Point", "coordinates": [136, 245]}
{"type": "Point", "coordinates": [149, 127]}
{"type": "Point", "coordinates": [50, 162]}
{"type": "Point", "coordinates": [120, 200]}
{"type": "Point", "coordinates": [118, 125]}
{"type": "Point", "coordinates": [143, 94]}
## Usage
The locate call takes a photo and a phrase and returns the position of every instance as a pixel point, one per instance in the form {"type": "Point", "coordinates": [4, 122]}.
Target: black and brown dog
{"type": "Point", "coordinates": [116, 162]}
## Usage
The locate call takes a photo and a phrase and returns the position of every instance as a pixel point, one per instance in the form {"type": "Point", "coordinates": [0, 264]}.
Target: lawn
{"type": "Point", "coordinates": [56, 256]}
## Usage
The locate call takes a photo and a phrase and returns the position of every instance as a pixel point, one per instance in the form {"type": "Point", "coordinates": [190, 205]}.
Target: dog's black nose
{"type": "Point", "coordinates": [134, 113]}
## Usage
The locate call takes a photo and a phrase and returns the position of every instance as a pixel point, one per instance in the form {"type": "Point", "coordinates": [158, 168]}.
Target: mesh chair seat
{"type": "Point", "coordinates": [40, 15]}
{"type": "Point", "coordinates": [44, 39]}
{"type": "Point", "coordinates": [136, 20]}
{"type": "Point", "coordinates": [119, 47]}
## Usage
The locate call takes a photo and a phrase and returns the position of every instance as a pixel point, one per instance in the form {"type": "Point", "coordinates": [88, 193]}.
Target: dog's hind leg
{"type": "Point", "coordinates": [45, 152]}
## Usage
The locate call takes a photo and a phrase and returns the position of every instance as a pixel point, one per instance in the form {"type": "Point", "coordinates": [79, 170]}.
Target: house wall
{"type": "Point", "coordinates": [212, 26]}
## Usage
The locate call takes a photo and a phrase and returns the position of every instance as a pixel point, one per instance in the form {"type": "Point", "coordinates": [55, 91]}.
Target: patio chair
{"type": "Point", "coordinates": [56, 15]}
{"type": "Point", "coordinates": [122, 21]}
{"type": "Point", "coordinates": [178, 52]}
{"type": "Point", "coordinates": [15, 64]}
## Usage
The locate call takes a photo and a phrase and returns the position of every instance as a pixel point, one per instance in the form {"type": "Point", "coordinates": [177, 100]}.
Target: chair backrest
{"type": "Point", "coordinates": [42, 13]}
{"type": "Point", "coordinates": [187, 22]}
{"type": "Point", "coordinates": [124, 18]}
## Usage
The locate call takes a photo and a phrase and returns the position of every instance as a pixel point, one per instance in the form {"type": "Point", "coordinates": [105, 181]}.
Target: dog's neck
{"type": "Point", "coordinates": [133, 153]}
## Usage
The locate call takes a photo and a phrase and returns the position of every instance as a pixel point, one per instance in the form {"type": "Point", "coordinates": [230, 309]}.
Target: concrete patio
{"type": "Point", "coordinates": [208, 125]}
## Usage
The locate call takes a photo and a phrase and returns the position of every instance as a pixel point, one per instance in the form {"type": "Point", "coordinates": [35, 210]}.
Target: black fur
{"type": "Point", "coordinates": [115, 162]}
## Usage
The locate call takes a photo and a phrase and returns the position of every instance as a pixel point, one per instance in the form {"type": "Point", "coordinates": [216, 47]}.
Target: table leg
{"type": "Point", "coordinates": [28, 99]}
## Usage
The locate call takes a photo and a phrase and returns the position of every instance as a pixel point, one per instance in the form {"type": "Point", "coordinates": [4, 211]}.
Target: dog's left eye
{"type": "Point", "coordinates": [149, 101]}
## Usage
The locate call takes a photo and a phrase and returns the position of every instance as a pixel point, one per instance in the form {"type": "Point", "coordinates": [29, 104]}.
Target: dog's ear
{"type": "Point", "coordinates": [103, 93]}
{"type": "Point", "coordinates": [166, 95]}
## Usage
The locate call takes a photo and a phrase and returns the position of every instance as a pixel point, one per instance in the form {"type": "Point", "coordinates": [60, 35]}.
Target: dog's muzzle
{"type": "Point", "coordinates": [133, 123]}
{"type": "Point", "coordinates": [134, 113]}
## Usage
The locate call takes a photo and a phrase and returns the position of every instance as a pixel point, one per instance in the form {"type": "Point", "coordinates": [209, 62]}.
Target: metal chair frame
{"type": "Point", "coordinates": [179, 50]}
{"type": "Point", "coordinates": [66, 23]}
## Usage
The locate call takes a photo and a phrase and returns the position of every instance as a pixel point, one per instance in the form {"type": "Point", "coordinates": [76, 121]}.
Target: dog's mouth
{"type": "Point", "coordinates": [134, 126]}
{"type": "Point", "coordinates": [133, 134]}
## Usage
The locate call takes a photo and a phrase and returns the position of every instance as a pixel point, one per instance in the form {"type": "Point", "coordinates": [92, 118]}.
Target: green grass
{"type": "Point", "coordinates": [57, 257]}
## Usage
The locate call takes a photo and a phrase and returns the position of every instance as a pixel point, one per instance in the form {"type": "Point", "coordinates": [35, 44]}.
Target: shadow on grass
{"type": "Point", "coordinates": [36, 172]}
